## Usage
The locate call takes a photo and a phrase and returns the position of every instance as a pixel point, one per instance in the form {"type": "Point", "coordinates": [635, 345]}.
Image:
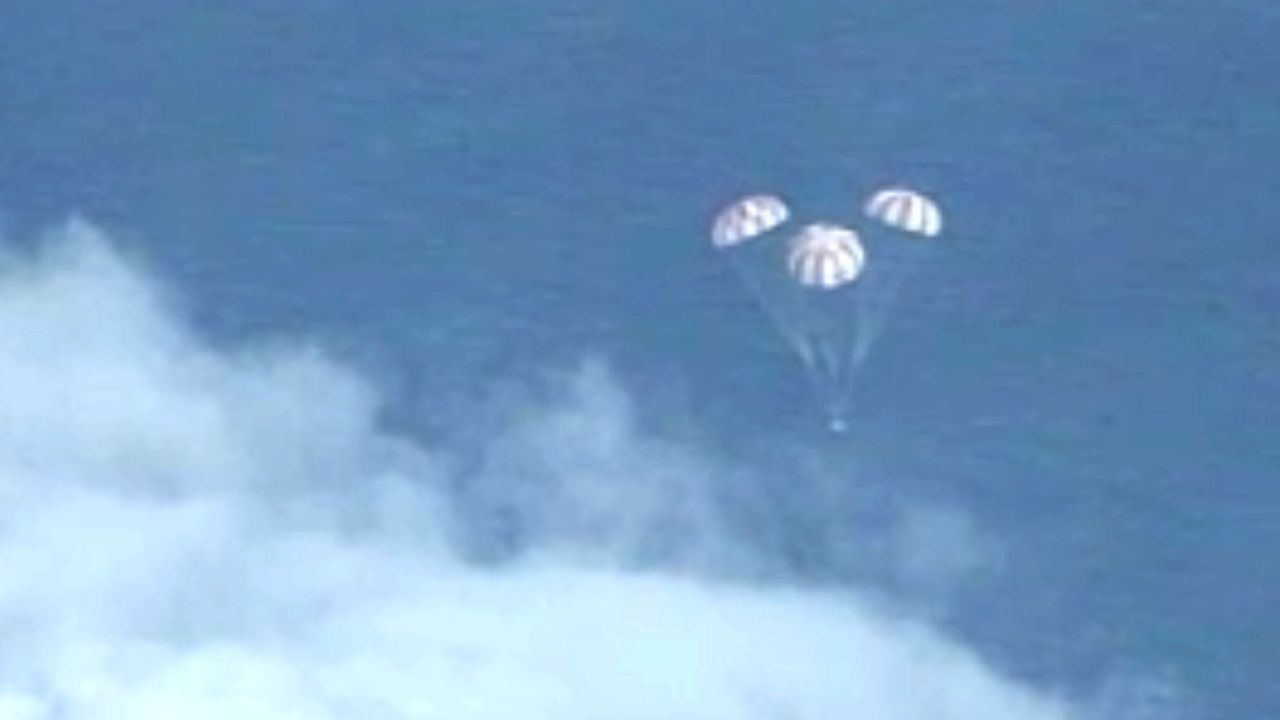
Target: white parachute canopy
{"type": "Point", "coordinates": [748, 218]}
{"type": "Point", "coordinates": [806, 282]}
{"type": "Point", "coordinates": [901, 238]}
{"type": "Point", "coordinates": [906, 210]}
{"type": "Point", "coordinates": [825, 256]}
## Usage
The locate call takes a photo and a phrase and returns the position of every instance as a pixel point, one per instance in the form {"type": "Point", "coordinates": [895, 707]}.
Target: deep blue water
{"type": "Point", "coordinates": [455, 192]}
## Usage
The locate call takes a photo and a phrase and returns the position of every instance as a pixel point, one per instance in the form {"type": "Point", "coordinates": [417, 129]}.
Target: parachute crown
{"type": "Point", "coordinates": [904, 209]}
{"type": "Point", "coordinates": [747, 218]}
{"type": "Point", "coordinates": [825, 256]}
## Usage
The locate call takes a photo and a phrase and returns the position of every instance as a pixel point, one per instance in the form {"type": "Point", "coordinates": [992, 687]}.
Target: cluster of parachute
{"type": "Point", "coordinates": [827, 288]}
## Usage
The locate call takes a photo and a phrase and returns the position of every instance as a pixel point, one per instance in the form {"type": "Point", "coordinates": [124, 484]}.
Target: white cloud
{"type": "Point", "coordinates": [202, 533]}
{"type": "Point", "coordinates": [937, 547]}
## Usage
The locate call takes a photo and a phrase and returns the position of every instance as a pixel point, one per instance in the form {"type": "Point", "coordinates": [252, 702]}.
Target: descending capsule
{"type": "Point", "coordinates": [747, 218]}
{"type": "Point", "coordinates": [906, 210]}
{"type": "Point", "coordinates": [825, 256]}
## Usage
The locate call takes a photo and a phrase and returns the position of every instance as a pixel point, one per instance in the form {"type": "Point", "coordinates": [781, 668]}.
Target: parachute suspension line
{"type": "Point", "coordinates": [776, 318]}
{"type": "Point", "coordinates": [844, 368]}
{"type": "Point", "coordinates": [828, 365]}
{"type": "Point", "coordinates": [900, 258]}
{"type": "Point", "coordinates": [827, 387]}
{"type": "Point", "coordinates": [865, 338]}
{"type": "Point", "coordinates": [873, 308]}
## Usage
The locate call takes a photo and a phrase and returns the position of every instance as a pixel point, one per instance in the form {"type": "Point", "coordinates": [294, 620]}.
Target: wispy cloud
{"type": "Point", "coordinates": [199, 532]}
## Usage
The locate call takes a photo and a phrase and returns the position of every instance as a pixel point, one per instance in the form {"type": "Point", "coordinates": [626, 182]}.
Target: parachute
{"type": "Point", "coordinates": [825, 256]}
{"type": "Point", "coordinates": [899, 241]}
{"type": "Point", "coordinates": [746, 232]}
{"type": "Point", "coordinates": [906, 210]}
{"type": "Point", "coordinates": [749, 217]}
{"type": "Point", "coordinates": [826, 292]}
{"type": "Point", "coordinates": [825, 262]}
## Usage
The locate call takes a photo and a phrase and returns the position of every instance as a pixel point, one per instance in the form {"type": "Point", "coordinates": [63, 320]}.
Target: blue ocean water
{"type": "Point", "coordinates": [457, 192]}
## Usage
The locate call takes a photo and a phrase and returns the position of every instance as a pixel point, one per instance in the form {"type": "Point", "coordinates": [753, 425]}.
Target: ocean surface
{"type": "Point", "coordinates": [372, 360]}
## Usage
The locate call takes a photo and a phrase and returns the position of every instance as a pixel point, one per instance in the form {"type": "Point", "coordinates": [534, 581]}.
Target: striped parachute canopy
{"type": "Point", "coordinates": [906, 210]}
{"type": "Point", "coordinates": [825, 256]}
{"type": "Point", "coordinates": [747, 218]}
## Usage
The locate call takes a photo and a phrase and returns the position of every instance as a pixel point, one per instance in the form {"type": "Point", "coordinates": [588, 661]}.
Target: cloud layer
{"type": "Point", "coordinates": [207, 532]}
